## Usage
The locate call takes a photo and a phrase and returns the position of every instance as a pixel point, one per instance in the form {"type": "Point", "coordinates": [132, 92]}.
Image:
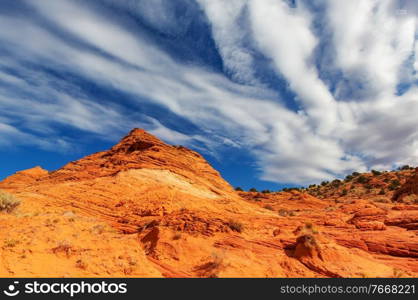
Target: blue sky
{"type": "Point", "coordinates": [273, 93]}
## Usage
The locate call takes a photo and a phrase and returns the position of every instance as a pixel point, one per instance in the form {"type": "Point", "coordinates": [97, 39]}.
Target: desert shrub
{"type": "Point", "coordinates": [253, 190]}
{"type": "Point", "coordinates": [376, 173]}
{"type": "Point", "coordinates": [355, 174]}
{"type": "Point", "coordinates": [266, 191]}
{"type": "Point", "coordinates": [236, 226]}
{"type": "Point", "coordinates": [10, 243]}
{"type": "Point", "coordinates": [63, 246]}
{"type": "Point", "coordinates": [368, 186]}
{"type": "Point", "coordinates": [362, 179]}
{"type": "Point", "coordinates": [176, 236]}
{"type": "Point", "coordinates": [330, 208]}
{"type": "Point", "coordinates": [213, 267]}
{"type": "Point", "coordinates": [97, 229]}
{"type": "Point", "coordinates": [412, 198]}
{"type": "Point", "coordinates": [324, 183]}
{"type": "Point", "coordinates": [269, 207]}
{"type": "Point", "coordinates": [307, 228]}
{"type": "Point", "coordinates": [348, 177]}
{"type": "Point", "coordinates": [405, 167]}
{"type": "Point", "coordinates": [336, 183]}
{"type": "Point", "coordinates": [81, 264]}
{"type": "Point", "coordinates": [382, 192]}
{"type": "Point", "coordinates": [283, 212]}
{"type": "Point", "coordinates": [8, 202]}
{"type": "Point", "coordinates": [381, 200]}
{"type": "Point", "coordinates": [238, 189]}
{"type": "Point", "coordinates": [344, 192]}
{"type": "Point", "coordinates": [311, 228]}
{"type": "Point", "coordinates": [397, 273]}
{"type": "Point", "coordinates": [394, 184]}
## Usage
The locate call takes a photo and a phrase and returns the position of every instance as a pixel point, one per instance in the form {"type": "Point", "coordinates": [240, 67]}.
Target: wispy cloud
{"type": "Point", "coordinates": [331, 129]}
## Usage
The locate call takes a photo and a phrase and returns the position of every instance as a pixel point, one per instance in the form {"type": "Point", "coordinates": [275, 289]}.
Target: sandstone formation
{"type": "Point", "coordinates": [147, 209]}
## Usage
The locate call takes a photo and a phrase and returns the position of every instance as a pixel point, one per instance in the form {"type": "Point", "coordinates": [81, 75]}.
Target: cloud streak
{"type": "Point", "coordinates": [355, 120]}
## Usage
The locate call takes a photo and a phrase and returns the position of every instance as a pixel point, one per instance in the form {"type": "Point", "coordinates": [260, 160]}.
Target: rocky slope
{"type": "Point", "coordinates": [147, 209]}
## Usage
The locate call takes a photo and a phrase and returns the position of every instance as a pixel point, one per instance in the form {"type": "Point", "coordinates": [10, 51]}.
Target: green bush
{"type": "Point", "coordinates": [405, 167]}
{"type": "Point", "coordinates": [336, 183]}
{"type": "Point", "coordinates": [368, 186]}
{"type": "Point", "coordinates": [253, 190]}
{"type": "Point", "coordinates": [382, 192]}
{"type": "Point", "coordinates": [349, 177]}
{"type": "Point", "coordinates": [8, 202]}
{"type": "Point", "coordinates": [290, 189]}
{"type": "Point", "coordinates": [376, 173]}
{"type": "Point", "coordinates": [395, 182]}
{"type": "Point", "coordinates": [238, 189]}
{"type": "Point", "coordinates": [362, 179]}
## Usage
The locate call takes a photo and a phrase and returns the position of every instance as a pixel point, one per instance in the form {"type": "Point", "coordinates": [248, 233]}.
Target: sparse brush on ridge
{"type": "Point", "coordinates": [8, 202]}
{"type": "Point", "coordinates": [376, 173]}
{"type": "Point", "coordinates": [236, 226]}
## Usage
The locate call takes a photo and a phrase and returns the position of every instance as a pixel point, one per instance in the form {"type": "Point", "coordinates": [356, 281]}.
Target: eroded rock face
{"type": "Point", "coordinates": [145, 208]}
{"type": "Point", "coordinates": [141, 150]}
{"type": "Point", "coordinates": [407, 219]}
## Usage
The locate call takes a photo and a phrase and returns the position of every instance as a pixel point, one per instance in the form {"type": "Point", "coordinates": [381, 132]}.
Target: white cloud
{"type": "Point", "coordinates": [10, 136]}
{"type": "Point", "coordinates": [237, 59]}
{"type": "Point", "coordinates": [323, 139]}
{"type": "Point", "coordinates": [161, 15]}
{"type": "Point", "coordinates": [291, 52]}
{"type": "Point", "coordinates": [371, 40]}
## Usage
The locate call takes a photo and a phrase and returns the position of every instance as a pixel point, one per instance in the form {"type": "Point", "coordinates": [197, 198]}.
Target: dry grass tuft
{"type": "Point", "coordinates": [8, 202]}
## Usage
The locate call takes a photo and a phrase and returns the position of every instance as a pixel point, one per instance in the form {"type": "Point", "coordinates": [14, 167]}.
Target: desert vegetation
{"type": "Point", "coordinates": [8, 202]}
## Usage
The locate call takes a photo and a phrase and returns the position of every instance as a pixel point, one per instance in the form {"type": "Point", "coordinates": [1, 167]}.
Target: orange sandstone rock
{"type": "Point", "coordinates": [147, 209]}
